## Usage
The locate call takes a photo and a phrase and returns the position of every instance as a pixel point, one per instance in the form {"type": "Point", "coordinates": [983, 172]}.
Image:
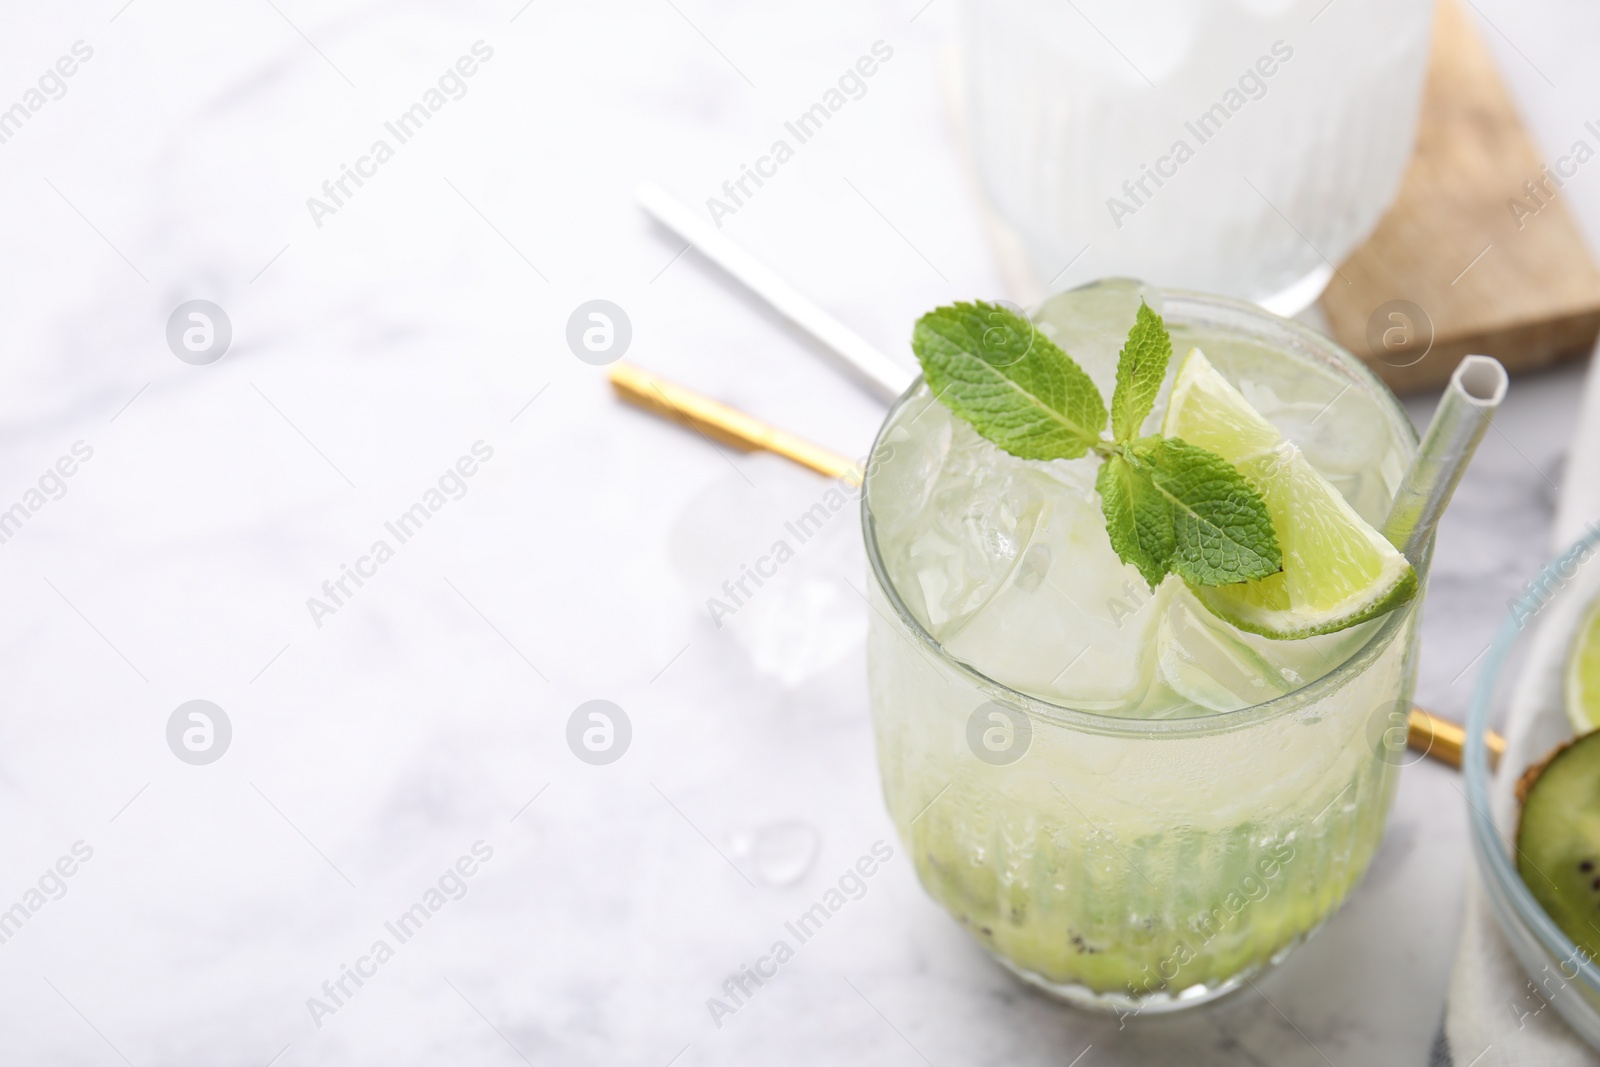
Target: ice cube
{"type": "Point", "coordinates": [773, 551]}
{"type": "Point", "coordinates": [1209, 663]}
{"type": "Point", "coordinates": [905, 465]}
{"type": "Point", "coordinates": [1308, 659]}
{"type": "Point", "coordinates": [1072, 625]}
{"type": "Point", "coordinates": [1218, 668]}
{"type": "Point", "coordinates": [1089, 323]}
{"type": "Point", "coordinates": [980, 514]}
{"type": "Point", "coordinates": [779, 854]}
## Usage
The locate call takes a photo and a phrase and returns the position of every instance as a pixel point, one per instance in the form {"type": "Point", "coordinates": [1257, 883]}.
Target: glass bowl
{"type": "Point", "coordinates": [1521, 688]}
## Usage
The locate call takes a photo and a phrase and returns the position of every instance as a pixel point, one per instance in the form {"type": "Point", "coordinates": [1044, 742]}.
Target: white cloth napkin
{"type": "Point", "coordinates": [1494, 1018]}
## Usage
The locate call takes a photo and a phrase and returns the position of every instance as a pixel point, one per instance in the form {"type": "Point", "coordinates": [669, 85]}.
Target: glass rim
{"type": "Point", "coordinates": [1307, 342]}
{"type": "Point", "coordinates": [1493, 862]}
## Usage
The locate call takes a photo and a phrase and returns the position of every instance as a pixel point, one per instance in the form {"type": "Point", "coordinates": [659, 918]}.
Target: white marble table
{"type": "Point", "coordinates": [377, 744]}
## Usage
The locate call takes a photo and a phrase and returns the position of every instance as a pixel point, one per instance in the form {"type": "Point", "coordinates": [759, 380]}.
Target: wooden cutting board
{"type": "Point", "coordinates": [1468, 259]}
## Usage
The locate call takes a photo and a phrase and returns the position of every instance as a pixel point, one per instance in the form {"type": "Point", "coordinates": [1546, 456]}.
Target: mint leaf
{"type": "Point", "coordinates": [1222, 531]}
{"type": "Point", "coordinates": [1141, 368]}
{"type": "Point", "coordinates": [995, 370]}
{"type": "Point", "coordinates": [1139, 518]}
{"type": "Point", "coordinates": [1170, 507]}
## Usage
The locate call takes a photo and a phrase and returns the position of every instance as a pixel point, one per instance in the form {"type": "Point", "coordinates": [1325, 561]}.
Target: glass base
{"type": "Point", "coordinates": [1297, 296]}
{"type": "Point", "coordinates": [1079, 996]}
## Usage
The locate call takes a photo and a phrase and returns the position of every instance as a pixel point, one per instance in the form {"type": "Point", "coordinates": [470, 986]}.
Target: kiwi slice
{"type": "Point", "coordinates": [1558, 838]}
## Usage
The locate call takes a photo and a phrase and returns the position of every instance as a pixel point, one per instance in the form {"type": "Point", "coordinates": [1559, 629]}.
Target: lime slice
{"type": "Point", "coordinates": [1583, 674]}
{"type": "Point", "coordinates": [1337, 570]}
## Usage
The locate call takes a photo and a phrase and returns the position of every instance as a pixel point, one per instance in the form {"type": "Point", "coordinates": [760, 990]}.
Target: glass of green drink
{"type": "Point", "coordinates": [1132, 803]}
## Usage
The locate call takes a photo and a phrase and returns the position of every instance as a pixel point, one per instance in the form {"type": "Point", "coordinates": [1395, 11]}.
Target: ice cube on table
{"type": "Point", "coordinates": [789, 605]}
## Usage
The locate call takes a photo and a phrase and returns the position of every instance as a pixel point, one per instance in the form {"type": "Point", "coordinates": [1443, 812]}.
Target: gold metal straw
{"type": "Point", "coordinates": [722, 423]}
{"type": "Point", "coordinates": [1427, 733]}
{"type": "Point", "coordinates": [1444, 740]}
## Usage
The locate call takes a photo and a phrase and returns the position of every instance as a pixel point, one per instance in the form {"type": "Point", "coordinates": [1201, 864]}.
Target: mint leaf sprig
{"type": "Point", "coordinates": [1170, 507]}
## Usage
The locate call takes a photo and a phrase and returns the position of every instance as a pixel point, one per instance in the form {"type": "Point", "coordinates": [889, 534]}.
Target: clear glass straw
{"type": "Point", "coordinates": [1475, 391]}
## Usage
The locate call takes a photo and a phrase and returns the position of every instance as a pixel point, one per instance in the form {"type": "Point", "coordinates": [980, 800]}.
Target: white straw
{"type": "Point", "coordinates": [1459, 422]}
{"type": "Point", "coordinates": [874, 369]}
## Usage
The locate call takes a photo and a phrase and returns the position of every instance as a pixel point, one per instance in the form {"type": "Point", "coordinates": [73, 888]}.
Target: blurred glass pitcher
{"type": "Point", "coordinates": [1242, 147]}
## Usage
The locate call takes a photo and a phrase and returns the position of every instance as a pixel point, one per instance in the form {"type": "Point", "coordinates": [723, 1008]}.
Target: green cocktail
{"type": "Point", "coordinates": [1129, 801]}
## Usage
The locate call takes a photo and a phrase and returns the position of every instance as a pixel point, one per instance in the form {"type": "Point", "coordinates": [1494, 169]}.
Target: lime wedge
{"type": "Point", "coordinates": [1583, 674]}
{"type": "Point", "coordinates": [1337, 570]}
